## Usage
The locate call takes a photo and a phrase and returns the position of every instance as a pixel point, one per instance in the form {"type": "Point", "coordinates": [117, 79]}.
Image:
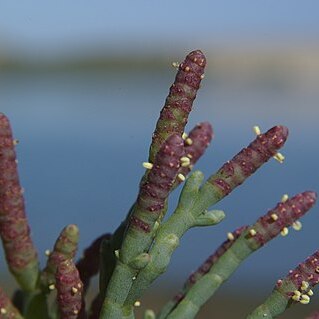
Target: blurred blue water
{"type": "Point", "coordinates": [83, 136]}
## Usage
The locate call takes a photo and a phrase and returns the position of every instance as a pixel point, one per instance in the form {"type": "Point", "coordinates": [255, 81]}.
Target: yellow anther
{"type": "Point", "coordinates": [175, 65]}
{"type": "Point", "coordinates": [230, 236]}
{"type": "Point", "coordinates": [274, 216]}
{"type": "Point", "coordinates": [117, 253]}
{"type": "Point", "coordinates": [47, 252]}
{"type": "Point", "coordinates": [284, 198]}
{"type": "Point", "coordinates": [147, 165]}
{"type": "Point", "coordinates": [256, 130]}
{"type": "Point", "coordinates": [181, 177]}
{"type": "Point", "coordinates": [252, 232]}
{"type": "Point", "coordinates": [304, 285]}
{"type": "Point", "coordinates": [297, 225]}
{"type": "Point", "coordinates": [74, 290]}
{"type": "Point", "coordinates": [185, 161]}
{"type": "Point", "coordinates": [137, 303]}
{"type": "Point", "coordinates": [184, 136]}
{"type": "Point", "coordinates": [284, 231]}
{"type": "Point", "coordinates": [305, 299]}
{"type": "Point", "coordinates": [51, 287]}
{"type": "Point", "coordinates": [297, 293]}
{"type": "Point", "coordinates": [189, 141]}
{"type": "Point", "coordinates": [310, 292]}
{"type": "Point", "coordinates": [75, 311]}
{"type": "Point", "coordinates": [3, 311]}
{"type": "Point", "coordinates": [187, 69]}
{"type": "Point", "coordinates": [15, 142]}
{"type": "Point", "coordinates": [202, 76]}
{"type": "Point", "coordinates": [279, 157]}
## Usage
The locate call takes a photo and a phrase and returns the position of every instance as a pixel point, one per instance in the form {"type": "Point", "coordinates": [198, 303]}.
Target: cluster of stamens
{"type": "Point", "coordinates": [303, 294]}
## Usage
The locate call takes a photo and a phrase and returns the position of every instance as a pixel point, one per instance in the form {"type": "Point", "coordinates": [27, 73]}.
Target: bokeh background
{"type": "Point", "coordinates": [83, 83]}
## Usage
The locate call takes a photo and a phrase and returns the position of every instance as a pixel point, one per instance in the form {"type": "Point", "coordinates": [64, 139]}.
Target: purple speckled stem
{"type": "Point", "coordinates": [178, 104]}
{"type": "Point", "coordinates": [247, 161]}
{"type": "Point", "coordinates": [64, 249]}
{"type": "Point", "coordinates": [69, 290]}
{"type": "Point", "coordinates": [201, 136]}
{"type": "Point", "coordinates": [200, 272]}
{"type": "Point", "coordinates": [7, 309]}
{"type": "Point", "coordinates": [20, 252]}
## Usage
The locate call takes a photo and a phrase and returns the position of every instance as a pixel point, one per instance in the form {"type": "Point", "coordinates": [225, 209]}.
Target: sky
{"type": "Point", "coordinates": [52, 26]}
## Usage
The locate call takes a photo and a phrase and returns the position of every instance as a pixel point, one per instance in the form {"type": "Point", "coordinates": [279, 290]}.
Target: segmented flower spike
{"type": "Point", "coordinates": [247, 161]}
{"type": "Point", "coordinates": [285, 214]}
{"type": "Point", "coordinates": [69, 290]}
{"type": "Point", "coordinates": [64, 249]}
{"type": "Point", "coordinates": [195, 144]}
{"type": "Point", "coordinates": [19, 250]}
{"type": "Point", "coordinates": [155, 189]}
{"type": "Point", "coordinates": [88, 265]}
{"type": "Point", "coordinates": [7, 309]}
{"type": "Point", "coordinates": [178, 104]}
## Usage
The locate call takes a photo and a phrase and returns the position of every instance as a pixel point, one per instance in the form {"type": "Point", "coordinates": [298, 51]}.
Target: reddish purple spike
{"type": "Point", "coordinates": [69, 289]}
{"type": "Point", "coordinates": [178, 104]}
{"type": "Point", "coordinates": [20, 252]}
{"type": "Point", "coordinates": [155, 188]}
{"type": "Point", "coordinates": [247, 161]}
{"type": "Point", "coordinates": [304, 277]}
{"type": "Point", "coordinates": [196, 144]}
{"type": "Point", "coordinates": [283, 215]}
{"type": "Point", "coordinates": [7, 309]}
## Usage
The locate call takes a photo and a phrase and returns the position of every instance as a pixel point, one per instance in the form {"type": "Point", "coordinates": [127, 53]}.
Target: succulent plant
{"type": "Point", "coordinates": [140, 249]}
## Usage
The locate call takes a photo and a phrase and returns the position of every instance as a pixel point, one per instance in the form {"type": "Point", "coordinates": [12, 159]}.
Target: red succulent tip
{"type": "Point", "coordinates": [282, 216]}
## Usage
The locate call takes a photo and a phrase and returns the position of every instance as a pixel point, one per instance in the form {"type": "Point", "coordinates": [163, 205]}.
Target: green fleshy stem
{"type": "Point", "coordinates": [200, 136]}
{"type": "Point", "coordinates": [195, 200]}
{"type": "Point", "coordinates": [191, 212]}
{"type": "Point", "coordinates": [149, 207]}
{"type": "Point", "coordinates": [200, 272]}
{"type": "Point", "coordinates": [266, 228]}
